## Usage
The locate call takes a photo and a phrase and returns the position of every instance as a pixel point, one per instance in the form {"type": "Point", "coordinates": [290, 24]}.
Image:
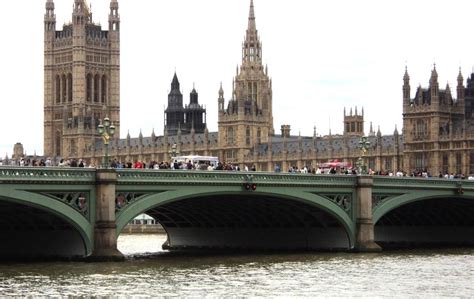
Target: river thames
{"type": "Point", "coordinates": [407, 273]}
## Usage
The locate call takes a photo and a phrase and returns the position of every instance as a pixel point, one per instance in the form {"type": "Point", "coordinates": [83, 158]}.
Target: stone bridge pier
{"type": "Point", "coordinates": [105, 238]}
{"type": "Point", "coordinates": [364, 222]}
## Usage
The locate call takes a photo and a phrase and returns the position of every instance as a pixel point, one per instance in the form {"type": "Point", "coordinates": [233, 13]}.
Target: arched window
{"type": "Point", "coordinates": [58, 89]}
{"type": "Point", "coordinates": [69, 87]}
{"type": "Point", "coordinates": [96, 88]}
{"type": "Point", "coordinates": [89, 88]}
{"type": "Point", "coordinates": [57, 143]}
{"type": "Point", "coordinates": [104, 89]}
{"type": "Point", "coordinates": [230, 135]}
{"type": "Point", "coordinates": [64, 85]}
{"type": "Point", "coordinates": [247, 136]}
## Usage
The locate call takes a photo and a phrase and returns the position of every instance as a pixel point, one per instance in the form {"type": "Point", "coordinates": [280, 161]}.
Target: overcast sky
{"type": "Point", "coordinates": [322, 56]}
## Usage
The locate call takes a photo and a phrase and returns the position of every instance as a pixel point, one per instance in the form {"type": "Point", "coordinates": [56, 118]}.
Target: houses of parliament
{"type": "Point", "coordinates": [82, 86]}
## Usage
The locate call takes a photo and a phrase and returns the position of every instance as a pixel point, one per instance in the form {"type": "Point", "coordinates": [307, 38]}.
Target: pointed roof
{"type": "Point", "coordinates": [175, 82]}
{"type": "Point", "coordinates": [252, 26]}
{"type": "Point", "coordinates": [406, 77]}
{"type": "Point", "coordinates": [221, 92]}
{"type": "Point", "coordinates": [460, 78]}
{"type": "Point", "coordinates": [434, 75]}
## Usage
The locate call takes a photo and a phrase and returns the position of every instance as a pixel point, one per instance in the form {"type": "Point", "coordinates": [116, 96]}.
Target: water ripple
{"type": "Point", "coordinates": [446, 273]}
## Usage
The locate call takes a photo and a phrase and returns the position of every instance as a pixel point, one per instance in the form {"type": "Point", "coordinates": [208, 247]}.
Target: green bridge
{"type": "Point", "coordinates": [81, 212]}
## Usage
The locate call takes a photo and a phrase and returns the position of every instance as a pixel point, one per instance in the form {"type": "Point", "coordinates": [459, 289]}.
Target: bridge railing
{"type": "Point", "coordinates": [130, 176]}
{"type": "Point", "coordinates": [422, 183]}
{"type": "Point", "coordinates": [47, 174]}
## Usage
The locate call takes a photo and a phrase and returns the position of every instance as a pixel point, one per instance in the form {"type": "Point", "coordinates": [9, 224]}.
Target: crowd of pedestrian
{"type": "Point", "coordinates": [188, 165]}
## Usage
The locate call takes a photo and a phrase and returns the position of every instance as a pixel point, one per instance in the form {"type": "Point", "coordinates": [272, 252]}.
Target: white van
{"type": "Point", "coordinates": [198, 161]}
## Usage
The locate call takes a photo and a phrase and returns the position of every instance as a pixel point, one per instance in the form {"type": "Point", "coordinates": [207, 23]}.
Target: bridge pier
{"type": "Point", "coordinates": [365, 225]}
{"type": "Point", "coordinates": [105, 238]}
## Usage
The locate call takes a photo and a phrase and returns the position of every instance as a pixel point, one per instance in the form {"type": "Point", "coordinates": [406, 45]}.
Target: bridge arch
{"type": "Point", "coordinates": [404, 199]}
{"type": "Point", "coordinates": [425, 218]}
{"type": "Point", "coordinates": [297, 200]}
{"type": "Point", "coordinates": [34, 225]}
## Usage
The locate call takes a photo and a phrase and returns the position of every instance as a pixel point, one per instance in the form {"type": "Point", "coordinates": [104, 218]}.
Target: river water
{"type": "Point", "coordinates": [414, 273]}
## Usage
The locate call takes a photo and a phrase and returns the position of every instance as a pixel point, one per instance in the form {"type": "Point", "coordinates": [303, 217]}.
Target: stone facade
{"type": "Point", "coordinates": [81, 79]}
{"type": "Point", "coordinates": [437, 129]}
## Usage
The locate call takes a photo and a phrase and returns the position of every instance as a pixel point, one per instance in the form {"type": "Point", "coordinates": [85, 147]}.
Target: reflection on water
{"type": "Point", "coordinates": [422, 273]}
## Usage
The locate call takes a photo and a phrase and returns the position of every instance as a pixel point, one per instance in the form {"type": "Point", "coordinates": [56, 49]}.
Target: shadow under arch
{"type": "Point", "coordinates": [296, 202]}
{"type": "Point", "coordinates": [36, 226]}
{"type": "Point", "coordinates": [425, 218]}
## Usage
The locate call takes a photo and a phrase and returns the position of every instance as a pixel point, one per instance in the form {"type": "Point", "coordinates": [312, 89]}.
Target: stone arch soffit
{"type": "Point", "coordinates": [55, 207]}
{"type": "Point", "coordinates": [166, 197]}
{"type": "Point", "coordinates": [408, 198]}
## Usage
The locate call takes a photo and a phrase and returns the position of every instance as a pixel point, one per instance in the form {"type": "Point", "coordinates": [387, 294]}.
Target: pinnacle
{"type": "Point", "coordinates": [252, 26]}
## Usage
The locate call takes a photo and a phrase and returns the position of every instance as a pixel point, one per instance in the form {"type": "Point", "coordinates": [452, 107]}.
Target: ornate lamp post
{"type": "Point", "coordinates": [364, 144]}
{"type": "Point", "coordinates": [107, 131]}
{"type": "Point", "coordinates": [173, 151]}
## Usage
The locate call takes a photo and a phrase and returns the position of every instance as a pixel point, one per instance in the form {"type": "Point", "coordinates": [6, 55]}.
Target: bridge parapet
{"type": "Point", "coordinates": [126, 176]}
{"type": "Point", "coordinates": [416, 183]}
{"type": "Point", "coordinates": [51, 175]}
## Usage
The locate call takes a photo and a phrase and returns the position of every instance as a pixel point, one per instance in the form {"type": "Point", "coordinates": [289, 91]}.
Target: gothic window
{"type": "Point", "coordinates": [249, 93]}
{"type": "Point", "coordinates": [96, 88]}
{"type": "Point", "coordinates": [348, 127]}
{"type": "Point", "coordinates": [471, 166]}
{"type": "Point", "coordinates": [230, 155]}
{"type": "Point", "coordinates": [445, 166]}
{"type": "Point", "coordinates": [89, 88]}
{"type": "Point", "coordinates": [352, 127]}
{"type": "Point", "coordinates": [388, 164]}
{"type": "Point", "coordinates": [104, 89]}
{"type": "Point", "coordinates": [64, 87]}
{"type": "Point", "coordinates": [372, 163]}
{"type": "Point", "coordinates": [69, 87]}
{"type": "Point", "coordinates": [421, 129]}
{"type": "Point", "coordinates": [230, 136]}
{"type": "Point", "coordinates": [58, 89]}
{"type": "Point", "coordinates": [254, 91]}
{"type": "Point", "coordinates": [420, 161]}
{"type": "Point", "coordinates": [247, 136]}
{"type": "Point", "coordinates": [73, 147]}
{"type": "Point", "coordinates": [259, 136]}
{"type": "Point", "coordinates": [458, 163]}
{"type": "Point", "coordinates": [57, 144]}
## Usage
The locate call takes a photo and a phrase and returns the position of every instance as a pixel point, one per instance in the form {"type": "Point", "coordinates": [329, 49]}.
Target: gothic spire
{"type": "Point", "coordinates": [406, 77]}
{"type": "Point", "coordinates": [252, 48]}
{"type": "Point", "coordinates": [252, 26]}
{"type": "Point", "coordinates": [221, 92]}
{"type": "Point", "coordinates": [460, 87]}
{"type": "Point", "coordinates": [460, 78]}
{"type": "Point", "coordinates": [434, 75]}
{"type": "Point", "coordinates": [175, 82]}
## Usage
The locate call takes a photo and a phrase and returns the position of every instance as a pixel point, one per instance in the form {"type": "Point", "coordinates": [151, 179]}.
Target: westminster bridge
{"type": "Point", "coordinates": [81, 212]}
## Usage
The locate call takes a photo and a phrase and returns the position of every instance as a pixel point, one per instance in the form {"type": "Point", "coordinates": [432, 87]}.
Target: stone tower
{"type": "Point", "coordinates": [174, 113]}
{"type": "Point", "coordinates": [354, 123]}
{"type": "Point", "coordinates": [430, 121]}
{"type": "Point", "coordinates": [81, 79]}
{"type": "Point", "coordinates": [195, 114]}
{"type": "Point", "coordinates": [248, 120]}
